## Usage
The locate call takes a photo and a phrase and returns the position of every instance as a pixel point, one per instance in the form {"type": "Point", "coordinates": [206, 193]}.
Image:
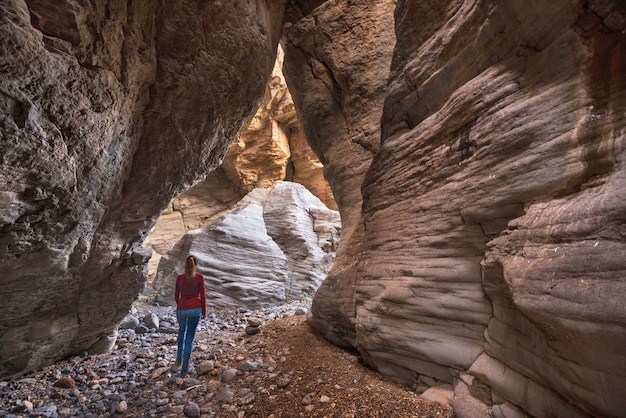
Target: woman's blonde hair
{"type": "Point", "coordinates": [190, 267]}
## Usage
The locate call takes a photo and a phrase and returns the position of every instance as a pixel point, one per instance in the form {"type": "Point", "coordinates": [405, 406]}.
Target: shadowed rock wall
{"type": "Point", "coordinates": [490, 251]}
{"type": "Point", "coordinates": [109, 109]}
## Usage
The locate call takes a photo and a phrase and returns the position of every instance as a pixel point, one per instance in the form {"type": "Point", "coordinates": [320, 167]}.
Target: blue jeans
{"type": "Point", "coordinates": [187, 324]}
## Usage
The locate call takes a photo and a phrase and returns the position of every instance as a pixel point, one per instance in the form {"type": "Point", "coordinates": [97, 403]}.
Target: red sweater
{"type": "Point", "coordinates": [190, 295]}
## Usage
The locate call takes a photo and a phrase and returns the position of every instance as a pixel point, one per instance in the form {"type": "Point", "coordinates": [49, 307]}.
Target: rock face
{"type": "Point", "coordinates": [109, 110]}
{"type": "Point", "coordinates": [491, 252]}
{"type": "Point", "coordinates": [270, 148]}
{"type": "Point", "coordinates": [339, 90]}
{"type": "Point", "coordinates": [476, 153]}
{"type": "Point", "coordinates": [276, 244]}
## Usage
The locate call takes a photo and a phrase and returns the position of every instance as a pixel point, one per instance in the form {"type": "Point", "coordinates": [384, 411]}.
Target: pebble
{"type": "Point", "coordinates": [136, 377]}
{"type": "Point", "coordinates": [191, 410]}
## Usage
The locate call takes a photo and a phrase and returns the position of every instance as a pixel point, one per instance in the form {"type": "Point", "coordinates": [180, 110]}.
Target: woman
{"type": "Point", "coordinates": [190, 306]}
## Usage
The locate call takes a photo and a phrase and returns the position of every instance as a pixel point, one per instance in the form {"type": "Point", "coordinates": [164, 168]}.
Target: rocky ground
{"type": "Point", "coordinates": [284, 369]}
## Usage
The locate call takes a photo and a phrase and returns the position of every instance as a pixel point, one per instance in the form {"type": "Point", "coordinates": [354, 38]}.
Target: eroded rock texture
{"type": "Point", "coordinates": [109, 109]}
{"type": "Point", "coordinates": [491, 249]}
{"type": "Point", "coordinates": [337, 61]}
{"type": "Point", "coordinates": [276, 244]}
{"type": "Point", "coordinates": [271, 147]}
{"type": "Point", "coordinates": [486, 250]}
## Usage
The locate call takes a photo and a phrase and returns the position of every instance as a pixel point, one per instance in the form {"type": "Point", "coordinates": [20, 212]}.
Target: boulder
{"type": "Point", "coordinates": [276, 244]}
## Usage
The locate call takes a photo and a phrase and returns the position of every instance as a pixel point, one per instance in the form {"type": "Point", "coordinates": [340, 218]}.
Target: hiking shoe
{"type": "Point", "coordinates": [177, 366]}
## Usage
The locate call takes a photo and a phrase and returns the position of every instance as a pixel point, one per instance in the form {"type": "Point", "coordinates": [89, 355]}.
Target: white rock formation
{"type": "Point", "coordinates": [278, 243]}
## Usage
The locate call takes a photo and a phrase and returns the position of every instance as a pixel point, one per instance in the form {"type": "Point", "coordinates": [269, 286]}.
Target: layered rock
{"type": "Point", "coordinates": [271, 147]}
{"type": "Point", "coordinates": [486, 251]}
{"type": "Point", "coordinates": [337, 61]}
{"type": "Point", "coordinates": [490, 253]}
{"type": "Point", "coordinates": [109, 110]}
{"type": "Point", "coordinates": [276, 244]}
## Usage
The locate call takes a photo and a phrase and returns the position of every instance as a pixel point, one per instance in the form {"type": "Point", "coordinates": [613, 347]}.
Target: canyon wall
{"type": "Point", "coordinates": [489, 256]}
{"type": "Point", "coordinates": [475, 149]}
{"type": "Point", "coordinates": [271, 147]}
{"type": "Point", "coordinates": [109, 110]}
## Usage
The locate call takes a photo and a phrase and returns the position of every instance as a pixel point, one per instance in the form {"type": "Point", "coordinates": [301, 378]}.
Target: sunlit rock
{"type": "Point", "coordinates": [276, 245]}
{"type": "Point", "coordinates": [272, 147]}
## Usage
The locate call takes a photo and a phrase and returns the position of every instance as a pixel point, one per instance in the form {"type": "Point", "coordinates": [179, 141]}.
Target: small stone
{"type": "Point", "coordinates": [49, 411]}
{"type": "Point", "coordinates": [162, 401]}
{"type": "Point", "coordinates": [158, 372]}
{"type": "Point", "coordinates": [130, 322]}
{"type": "Point", "coordinates": [249, 366]}
{"type": "Point", "coordinates": [177, 410]}
{"type": "Point", "coordinates": [307, 399]}
{"type": "Point", "coordinates": [65, 383]}
{"type": "Point", "coordinates": [151, 320]}
{"type": "Point", "coordinates": [247, 398]}
{"type": "Point", "coordinates": [283, 381]}
{"type": "Point", "coordinates": [189, 382]}
{"type": "Point", "coordinates": [205, 367]}
{"type": "Point", "coordinates": [252, 330]}
{"type": "Point", "coordinates": [122, 407]}
{"type": "Point", "coordinates": [255, 322]}
{"type": "Point", "coordinates": [224, 394]}
{"type": "Point", "coordinates": [269, 361]}
{"type": "Point", "coordinates": [142, 329]}
{"type": "Point", "coordinates": [179, 394]}
{"type": "Point", "coordinates": [324, 399]}
{"type": "Point", "coordinates": [191, 410]}
{"type": "Point", "coordinates": [228, 375]}
{"type": "Point", "coordinates": [28, 405]}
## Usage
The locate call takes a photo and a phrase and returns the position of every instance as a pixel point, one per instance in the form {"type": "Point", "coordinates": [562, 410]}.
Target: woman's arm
{"type": "Point", "coordinates": [202, 296]}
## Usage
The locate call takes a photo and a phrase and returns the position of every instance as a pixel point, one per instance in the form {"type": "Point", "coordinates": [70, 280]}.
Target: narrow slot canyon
{"type": "Point", "coordinates": [429, 221]}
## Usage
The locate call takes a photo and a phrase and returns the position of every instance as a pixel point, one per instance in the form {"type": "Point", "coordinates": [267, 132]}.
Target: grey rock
{"type": "Point", "coordinates": [151, 320]}
{"type": "Point", "coordinates": [189, 382]}
{"type": "Point", "coordinates": [246, 397]}
{"type": "Point", "coordinates": [205, 367]}
{"type": "Point", "coordinates": [284, 380]}
{"type": "Point", "coordinates": [191, 410]}
{"type": "Point", "coordinates": [249, 366]}
{"type": "Point", "coordinates": [224, 394]}
{"type": "Point", "coordinates": [129, 322]}
{"type": "Point", "coordinates": [142, 329]}
{"type": "Point", "coordinates": [261, 252]}
{"type": "Point", "coordinates": [252, 330]}
{"type": "Point", "coordinates": [48, 411]}
{"type": "Point", "coordinates": [228, 375]}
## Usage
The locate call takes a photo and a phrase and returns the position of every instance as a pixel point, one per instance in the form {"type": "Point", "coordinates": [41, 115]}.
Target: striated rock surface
{"type": "Point", "coordinates": [270, 148]}
{"type": "Point", "coordinates": [475, 149]}
{"type": "Point", "coordinates": [492, 250]}
{"type": "Point", "coordinates": [109, 110]}
{"type": "Point", "coordinates": [337, 61]}
{"type": "Point", "coordinates": [336, 64]}
{"type": "Point", "coordinates": [276, 244]}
